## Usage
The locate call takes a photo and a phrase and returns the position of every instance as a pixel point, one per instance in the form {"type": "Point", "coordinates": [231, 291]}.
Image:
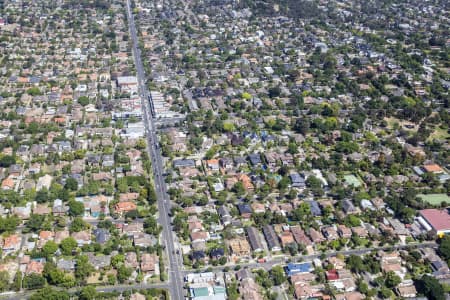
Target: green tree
{"type": "Point", "coordinates": [49, 248]}
{"type": "Point", "coordinates": [71, 184]}
{"type": "Point", "coordinates": [392, 279]}
{"type": "Point", "coordinates": [33, 281]}
{"type": "Point", "coordinates": [78, 225]}
{"type": "Point", "coordinates": [356, 264]}
{"type": "Point", "coordinates": [76, 208]}
{"type": "Point", "coordinates": [48, 293]}
{"type": "Point", "coordinates": [7, 160]}
{"type": "Point", "coordinates": [4, 280]}
{"type": "Point", "coordinates": [88, 293]}
{"type": "Point", "coordinates": [444, 247]}
{"type": "Point", "coordinates": [278, 276]}
{"type": "Point", "coordinates": [68, 245]}
{"type": "Point", "coordinates": [17, 284]}
{"type": "Point", "coordinates": [83, 268]}
{"type": "Point", "coordinates": [83, 100]}
{"type": "Point", "coordinates": [123, 273]}
{"type": "Point", "coordinates": [430, 287]}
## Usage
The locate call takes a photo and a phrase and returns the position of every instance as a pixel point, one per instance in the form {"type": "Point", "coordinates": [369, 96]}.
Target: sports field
{"type": "Point", "coordinates": [435, 199]}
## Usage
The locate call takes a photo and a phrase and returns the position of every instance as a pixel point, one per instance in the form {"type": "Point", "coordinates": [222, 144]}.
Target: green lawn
{"type": "Point", "coordinates": [435, 199]}
{"type": "Point", "coordinates": [352, 180]}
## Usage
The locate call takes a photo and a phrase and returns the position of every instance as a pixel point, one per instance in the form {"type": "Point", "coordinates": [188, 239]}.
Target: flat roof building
{"type": "Point", "coordinates": [438, 219]}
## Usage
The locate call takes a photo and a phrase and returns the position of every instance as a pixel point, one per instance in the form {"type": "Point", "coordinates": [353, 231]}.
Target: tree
{"type": "Point", "coordinates": [17, 284]}
{"type": "Point", "coordinates": [83, 268]}
{"type": "Point", "coordinates": [430, 287]}
{"type": "Point", "coordinates": [392, 280]}
{"type": "Point", "coordinates": [444, 247]}
{"type": "Point", "coordinates": [76, 208]}
{"type": "Point", "coordinates": [48, 293]}
{"type": "Point", "coordinates": [78, 225]}
{"type": "Point", "coordinates": [83, 100]}
{"type": "Point", "coordinates": [88, 293]}
{"type": "Point", "coordinates": [49, 248]}
{"type": "Point", "coordinates": [7, 160]}
{"type": "Point", "coordinates": [68, 245]}
{"type": "Point", "coordinates": [33, 281]}
{"type": "Point", "coordinates": [9, 224]}
{"type": "Point", "coordinates": [302, 125]}
{"type": "Point", "coordinates": [123, 273]}
{"type": "Point", "coordinates": [277, 274]}
{"type": "Point", "coordinates": [4, 280]}
{"type": "Point", "coordinates": [71, 184]}
{"type": "Point", "coordinates": [356, 264]}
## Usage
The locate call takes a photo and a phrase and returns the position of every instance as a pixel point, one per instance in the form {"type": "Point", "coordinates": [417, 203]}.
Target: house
{"type": "Point", "coordinates": [11, 244]}
{"type": "Point", "coordinates": [8, 184]}
{"type": "Point", "coordinates": [102, 235]}
{"type": "Point", "coordinates": [344, 231]}
{"type": "Point", "coordinates": [133, 228]}
{"type": "Point", "coordinates": [144, 240]}
{"type": "Point", "coordinates": [245, 210]}
{"type": "Point", "coordinates": [137, 296]}
{"type": "Point", "coordinates": [330, 233]}
{"type": "Point", "coordinates": [126, 206]}
{"type": "Point", "coordinates": [212, 165]}
{"type": "Point", "coordinates": [67, 265]}
{"type": "Point", "coordinates": [239, 247]}
{"type": "Point", "coordinates": [408, 291]}
{"type": "Point", "coordinates": [316, 211]}
{"type": "Point", "coordinates": [360, 231]}
{"type": "Point", "coordinates": [183, 163]}
{"type": "Point", "coordinates": [249, 290]}
{"type": "Point", "coordinates": [148, 263]}
{"type": "Point", "coordinates": [255, 159]}
{"type": "Point", "coordinates": [42, 209]}
{"type": "Point", "coordinates": [224, 214]}
{"type": "Point", "coordinates": [297, 181]}
{"type": "Point", "coordinates": [255, 239]}
{"type": "Point", "coordinates": [131, 260]}
{"type": "Point", "coordinates": [286, 238]}
{"type": "Point", "coordinates": [199, 236]}
{"type": "Point", "coordinates": [59, 209]}
{"type": "Point", "coordinates": [271, 238]}
{"type": "Point", "coordinates": [246, 181]}
{"type": "Point", "coordinates": [44, 182]}
{"type": "Point", "coordinates": [61, 235]}
{"type": "Point", "coordinates": [226, 163]}
{"type": "Point", "coordinates": [239, 161]}
{"type": "Point", "coordinates": [34, 267]}
{"type": "Point", "coordinates": [198, 255]}
{"type": "Point", "coordinates": [99, 261]}
{"type": "Point", "coordinates": [82, 237]}
{"type": "Point", "coordinates": [316, 236]}
{"type": "Point", "coordinates": [348, 207]}
{"type": "Point", "coordinates": [295, 268]}
{"type": "Point", "coordinates": [217, 253]}
{"type": "Point", "coordinates": [299, 236]}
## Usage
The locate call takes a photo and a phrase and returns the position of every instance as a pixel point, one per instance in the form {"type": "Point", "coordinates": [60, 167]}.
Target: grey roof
{"type": "Point", "coordinates": [254, 158]}
{"type": "Point", "coordinates": [315, 208]}
{"type": "Point", "coordinates": [271, 237]}
{"type": "Point", "coordinates": [254, 238]}
{"type": "Point", "coordinates": [183, 163]}
{"type": "Point", "coordinates": [244, 209]}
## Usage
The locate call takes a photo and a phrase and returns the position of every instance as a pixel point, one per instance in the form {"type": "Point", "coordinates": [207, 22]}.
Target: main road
{"type": "Point", "coordinates": [175, 281]}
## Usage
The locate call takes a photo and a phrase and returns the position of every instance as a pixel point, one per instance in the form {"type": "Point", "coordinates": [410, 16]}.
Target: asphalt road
{"type": "Point", "coordinates": [282, 260]}
{"type": "Point", "coordinates": [175, 282]}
